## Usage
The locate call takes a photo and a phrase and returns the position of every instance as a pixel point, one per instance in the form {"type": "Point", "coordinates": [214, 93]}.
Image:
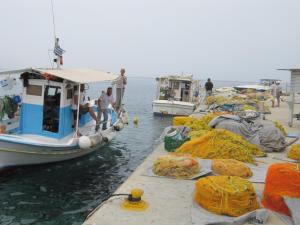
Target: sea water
{"type": "Point", "coordinates": [64, 193]}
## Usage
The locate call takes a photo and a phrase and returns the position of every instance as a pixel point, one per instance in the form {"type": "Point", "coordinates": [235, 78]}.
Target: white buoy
{"type": "Point", "coordinates": [125, 118]}
{"type": "Point", "coordinates": [119, 126]}
{"type": "Point", "coordinates": [85, 142]}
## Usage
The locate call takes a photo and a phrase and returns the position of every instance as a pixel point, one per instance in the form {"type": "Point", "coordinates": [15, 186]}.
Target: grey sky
{"type": "Point", "coordinates": [223, 39]}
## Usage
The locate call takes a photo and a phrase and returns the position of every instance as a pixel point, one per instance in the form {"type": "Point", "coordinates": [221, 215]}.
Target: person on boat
{"type": "Point", "coordinates": [83, 107]}
{"type": "Point", "coordinates": [208, 87]}
{"type": "Point", "coordinates": [120, 82]}
{"type": "Point", "coordinates": [104, 101]}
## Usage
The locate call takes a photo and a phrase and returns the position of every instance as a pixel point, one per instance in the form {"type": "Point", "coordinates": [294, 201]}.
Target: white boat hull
{"type": "Point", "coordinates": [176, 108]}
{"type": "Point", "coordinates": [14, 154]}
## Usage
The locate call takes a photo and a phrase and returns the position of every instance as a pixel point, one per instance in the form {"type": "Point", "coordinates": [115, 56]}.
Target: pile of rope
{"type": "Point", "coordinates": [294, 152]}
{"type": "Point", "coordinates": [231, 167]}
{"type": "Point", "coordinates": [282, 180]}
{"type": "Point", "coordinates": [195, 124]}
{"type": "Point", "coordinates": [226, 195]}
{"type": "Point", "coordinates": [280, 127]}
{"type": "Point", "coordinates": [221, 144]}
{"type": "Point", "coordinates": [216, 99]}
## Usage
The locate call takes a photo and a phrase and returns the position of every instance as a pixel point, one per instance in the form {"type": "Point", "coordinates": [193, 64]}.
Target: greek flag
{"type": "Point", "coordinates": [58, 51]}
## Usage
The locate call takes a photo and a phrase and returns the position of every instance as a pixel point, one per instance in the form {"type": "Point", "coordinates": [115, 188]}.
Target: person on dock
{"type": "Point", "coordinates": [83, 107]}
{"type": "Point", "coordinates": [278, 93]}
{"type": "Point", "coordinates": [103, 102]}
{"type": "Point", "coordinates": [208, 87]}
{"type": "Point", "coordinates": [273, 93]}
{"type": "Point", "coordinates": [120, 82]}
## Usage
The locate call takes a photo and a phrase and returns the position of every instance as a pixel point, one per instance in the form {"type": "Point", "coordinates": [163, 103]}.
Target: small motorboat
{"type": "Point", "coordinates": [42, 131]}
{"type": "Point", "coordinates": [176, 95]}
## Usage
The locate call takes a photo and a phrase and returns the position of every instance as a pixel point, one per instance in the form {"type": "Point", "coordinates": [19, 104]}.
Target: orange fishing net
{"type": "Point", "coordinates": [283, 179]}
{"type": "Point", "coordinates": [226, 195]}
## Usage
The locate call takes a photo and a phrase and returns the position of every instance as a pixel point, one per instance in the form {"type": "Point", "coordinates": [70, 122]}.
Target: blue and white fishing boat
{"type": "Point", "coordinates": [42, 131]}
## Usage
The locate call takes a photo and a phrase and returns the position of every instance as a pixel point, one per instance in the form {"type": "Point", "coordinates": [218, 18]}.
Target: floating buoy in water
{"type": "Point", "coordinates": [135, 121]}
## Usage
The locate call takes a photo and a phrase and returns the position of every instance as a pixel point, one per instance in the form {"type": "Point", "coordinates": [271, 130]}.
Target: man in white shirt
{"type": "Point", "coordinates": [83, 107]}
{"type": "Point", "coordinates": [120, 82]}
{"type": "Point", "coordinates": [103, 102]}
{"type": "Point", "coordinates": [273, 93]}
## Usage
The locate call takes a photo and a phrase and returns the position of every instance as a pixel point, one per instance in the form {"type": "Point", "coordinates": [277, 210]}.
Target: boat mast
{"type": "Point", "coordinates": [58, 51]}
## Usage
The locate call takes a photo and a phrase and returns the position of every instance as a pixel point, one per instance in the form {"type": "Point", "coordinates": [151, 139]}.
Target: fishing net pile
{"type": "Point", "coordinates": [215, 99]}
{"type": "Point", "coordinates": [196, 124]}
{"type": "Point", "coordinates": [226, 195]}
{"type": "Point", "coordinates": [280, 127]}
{"type": "Point", "coordinates": [283, 179]}
{"type": "Point", "coordinates": [294, 152]}
{"type": "Point", "coordinates": [231, 167]}
{"type": "Point", "coordinates": [176, 166]}
{"type": "Point", "coordinates": [221, 144]}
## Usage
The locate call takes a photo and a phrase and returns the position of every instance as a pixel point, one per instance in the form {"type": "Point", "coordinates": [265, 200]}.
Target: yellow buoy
{"type": "Point", "coordinates": [135, 121]}
{"type": "Point", "coordinates": [134, 201]}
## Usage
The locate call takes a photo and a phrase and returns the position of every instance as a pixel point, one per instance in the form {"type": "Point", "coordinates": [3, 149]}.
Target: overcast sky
{"type": "Point", "coordinates": [223, 39]}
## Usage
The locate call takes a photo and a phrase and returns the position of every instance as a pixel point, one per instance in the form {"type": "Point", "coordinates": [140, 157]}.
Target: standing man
{"type": "Point", "coordinates": [103, 103]}
{"type": "Point", "coordinates": [208, 87]}
{"type": "Point", "coordinates": [120, 82]}
{"type": "Point", "coordinates": [83, 107]}
{"type": "Point", "coordinates": [278, 93]}
{"type": "Point", "coordinates": [273, 93]}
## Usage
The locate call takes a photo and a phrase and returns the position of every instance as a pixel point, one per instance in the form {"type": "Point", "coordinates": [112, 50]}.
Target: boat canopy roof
{"type": "Point", "coordinates": [176, 77]}
{"type": "Point", "coordinates": [74, 75]}
{"type": "Point", "coordinates": [292, 70]}
{"type": "Point", "coordinates": [256, 87]}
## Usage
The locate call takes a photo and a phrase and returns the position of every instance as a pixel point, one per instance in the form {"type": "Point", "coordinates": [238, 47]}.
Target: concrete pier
{"type": "Point", "coordinates": [170, 200]}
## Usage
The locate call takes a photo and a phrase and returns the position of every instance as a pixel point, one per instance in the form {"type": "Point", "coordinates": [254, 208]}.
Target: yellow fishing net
{"type": "Point", "coordinates": [280, 127]}
{"type": "Point", "coordinates": [231, 167]}
{"type": "Point", "coordinates": [226, 195]}
{"type": "Point", "coordinates": [196, 124]}
{"type": "Point", "coordinates": [221, 144]}
{"type": "Point", "coordinates": [176, 166]}
{"type": "Point", "coordinates": [182, 120]}
{"type": "Point", "coordinates": [215, 100]}
{"type": "Point", "coordinates": [294, 152]}
{"type": "Point", "coordinates": [249, 107]}
{"type": "Point", "coordinates": [197, 133]}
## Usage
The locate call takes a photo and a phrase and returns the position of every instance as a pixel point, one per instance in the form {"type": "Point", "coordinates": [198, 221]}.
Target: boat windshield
{"type": "Point", "coordinates": [177, 90]}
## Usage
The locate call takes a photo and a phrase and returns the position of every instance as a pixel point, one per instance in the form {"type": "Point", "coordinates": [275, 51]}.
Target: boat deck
{"type": "Point", "coordinates": [170, 200]}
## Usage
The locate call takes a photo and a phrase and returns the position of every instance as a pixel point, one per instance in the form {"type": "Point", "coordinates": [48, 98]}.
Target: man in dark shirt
{"type": "Point", "coordinates": [208, 87]}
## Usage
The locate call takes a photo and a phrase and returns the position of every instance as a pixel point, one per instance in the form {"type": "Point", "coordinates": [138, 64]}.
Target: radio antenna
{"type": "Point", "coordinates": [53, 20]}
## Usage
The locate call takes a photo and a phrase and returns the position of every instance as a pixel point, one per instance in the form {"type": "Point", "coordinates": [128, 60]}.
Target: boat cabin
{"type": "Point", "coordinates": [268, 82]}
{"type": "Point", "coordinates": [177, 88]}
{"type": "Point", "coordinates": [46, 107]}
{"type": "Point", "coordinates": [47, 97]}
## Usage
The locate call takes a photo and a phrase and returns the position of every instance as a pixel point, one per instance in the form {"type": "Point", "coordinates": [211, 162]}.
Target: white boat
{"type": "Point", "coordinates": [256, 87]}
{"type": "Point", "coordinates": [43, 133]}
{"type": "Point", "coordinates": [176, 95]}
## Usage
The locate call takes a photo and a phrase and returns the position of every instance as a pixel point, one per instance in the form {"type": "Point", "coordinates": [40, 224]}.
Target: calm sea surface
{"type": "Point", "coordinates": [64, 193]}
